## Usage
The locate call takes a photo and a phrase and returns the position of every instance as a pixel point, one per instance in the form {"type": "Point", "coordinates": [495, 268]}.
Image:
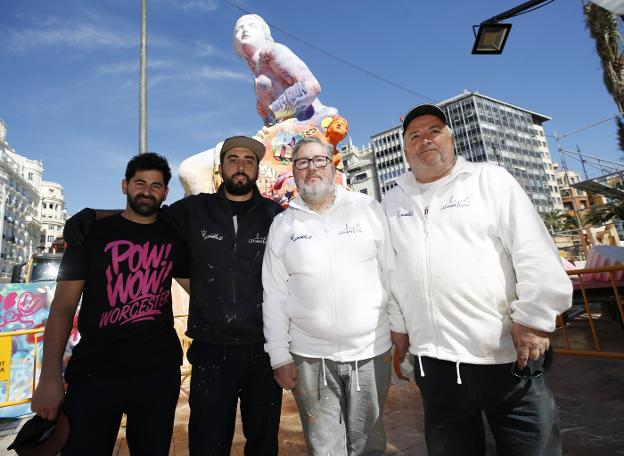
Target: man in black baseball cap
{"type": "Point", "coordinates": [480, 284]}
{"type": "Point", "coordinates": [421, 110]}
{"type": "Point", "coordinates": [226, 233]}
{"type": "Point", "coordinates": [243, 141]}
{"type": "Point", "coordinates": [429, 143]}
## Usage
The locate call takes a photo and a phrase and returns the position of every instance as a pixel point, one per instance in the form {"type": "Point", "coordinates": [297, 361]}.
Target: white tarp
{"type": "Point", "coordinates": [615, 6]}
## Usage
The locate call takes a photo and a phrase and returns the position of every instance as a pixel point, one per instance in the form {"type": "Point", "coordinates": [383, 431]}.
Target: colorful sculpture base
{"type": "Point", "coordinates": [200, 173]}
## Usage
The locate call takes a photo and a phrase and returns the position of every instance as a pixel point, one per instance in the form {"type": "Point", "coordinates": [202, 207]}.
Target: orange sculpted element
{"type": "Point", "coordinates": [336, 131]}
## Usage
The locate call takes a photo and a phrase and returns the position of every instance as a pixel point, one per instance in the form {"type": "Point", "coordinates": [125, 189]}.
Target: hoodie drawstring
{"type": "Point", "coordinates": [422, 371]}
{"type": "Point", "coordinates": [324, 375]}
{"type": "Point", "coordinates": [357, 377]}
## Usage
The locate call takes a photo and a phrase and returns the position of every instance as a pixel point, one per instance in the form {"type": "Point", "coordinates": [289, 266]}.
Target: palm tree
{"type": "Point", "coordinates": [555, 220]}
{"type": "Point", "coordinates": [605, 213]}
{"type": "Point", "coordinates": [603, 27]}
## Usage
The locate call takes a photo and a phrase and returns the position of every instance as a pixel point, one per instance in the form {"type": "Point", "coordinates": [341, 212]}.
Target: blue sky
{"type": "Point", "coordinates": [69, 75]}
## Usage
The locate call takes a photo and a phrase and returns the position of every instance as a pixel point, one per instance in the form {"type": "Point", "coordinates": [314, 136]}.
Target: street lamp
{"type": "Point", "coordinates": [492, 36]}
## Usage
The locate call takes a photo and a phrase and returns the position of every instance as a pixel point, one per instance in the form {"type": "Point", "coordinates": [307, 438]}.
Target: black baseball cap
{"type": "Point", "coordinates": [243, 141]}
{"type": "Point", "coordinates": [421, 110]}
{"type": "Point", "coordinates": [40, 437]}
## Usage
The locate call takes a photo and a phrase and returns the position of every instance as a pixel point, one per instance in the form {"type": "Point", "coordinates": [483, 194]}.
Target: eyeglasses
{"type": "Point", "coordinates": [320, 161]}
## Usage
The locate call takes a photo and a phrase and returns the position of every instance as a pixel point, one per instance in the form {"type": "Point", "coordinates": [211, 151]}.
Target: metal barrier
{"type": "Point", "coordinates": [23, 332]}
{"type": "Point", "coordinates": [580, 320]}
{"type": "Point", "coordinates": [593, 301]}
{"type": "Point", "coordinates": [38, 333]}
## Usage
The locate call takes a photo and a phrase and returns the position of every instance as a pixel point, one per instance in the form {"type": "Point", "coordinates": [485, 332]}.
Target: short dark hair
{"type": "Point", "coordinates": [147, 162]}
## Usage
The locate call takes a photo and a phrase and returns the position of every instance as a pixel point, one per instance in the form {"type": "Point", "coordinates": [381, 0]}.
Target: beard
{"type": "Point", "coordinates": [318, 192]}
{"type": "Point", "coordinates": [144, 205]}
{"type": "Point", "coordinates": [239, 188]}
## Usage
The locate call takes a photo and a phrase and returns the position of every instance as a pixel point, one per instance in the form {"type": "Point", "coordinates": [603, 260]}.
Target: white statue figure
{"type": "Point", "coordinates": [286, 93]}
{"type": "Point", "coordinates": [285, 86]}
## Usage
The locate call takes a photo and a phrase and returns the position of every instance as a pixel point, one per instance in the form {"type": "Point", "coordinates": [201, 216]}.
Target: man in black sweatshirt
{"type": "Point", "coordinates": [226, 235]}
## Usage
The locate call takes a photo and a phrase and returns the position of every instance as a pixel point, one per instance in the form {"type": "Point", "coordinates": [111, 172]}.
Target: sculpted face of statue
{"type": "Point", "coordinates": [251, 33]}
{"type": "Point", "coordinates": [338, 127]}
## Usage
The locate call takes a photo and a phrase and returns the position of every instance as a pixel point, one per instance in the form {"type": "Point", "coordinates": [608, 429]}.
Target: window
{"type": "Point", "coordinates": [364, 190]}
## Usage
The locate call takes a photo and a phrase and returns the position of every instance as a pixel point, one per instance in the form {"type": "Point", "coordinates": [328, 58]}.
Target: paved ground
{"type": "Point", "coordinates": [590, 395]}
{"type": "Point", "coordinates": [589, 391]}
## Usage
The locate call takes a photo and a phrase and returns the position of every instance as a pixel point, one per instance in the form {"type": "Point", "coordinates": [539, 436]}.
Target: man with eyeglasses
{"type": "Point", "coordinates": [327, 311]}
{"type": "Point", "coordinates": [480, 283]}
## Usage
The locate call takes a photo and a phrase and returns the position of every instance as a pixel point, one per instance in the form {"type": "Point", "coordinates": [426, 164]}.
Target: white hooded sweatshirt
{"type": "Point", "coordinates": [480, 259]}
{"type": "Point", "coordinates": [325, 282]}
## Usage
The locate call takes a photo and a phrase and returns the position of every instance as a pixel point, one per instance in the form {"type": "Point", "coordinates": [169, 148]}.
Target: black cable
{"type": "Point", "coordinates": [340, 59]}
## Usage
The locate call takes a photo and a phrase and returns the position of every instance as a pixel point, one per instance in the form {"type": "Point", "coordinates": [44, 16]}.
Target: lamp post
{"type": "Point", "coordinates": [143, 81]}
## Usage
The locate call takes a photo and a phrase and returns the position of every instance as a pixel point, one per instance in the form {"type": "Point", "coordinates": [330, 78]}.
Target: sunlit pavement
{"type": "Point", "coordinates": [403, 420]}
{"type": "Point", "coordinates": [589, 392]}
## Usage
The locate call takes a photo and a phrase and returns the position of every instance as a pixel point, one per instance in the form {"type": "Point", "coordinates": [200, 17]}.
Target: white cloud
{"type": "Point", "coordinates": [205, 49]}
{"type": "Point", "coordinates": [205, 6]}
{"type": "Point", "coordinates": [199, 5]}
{"type": "Point", "coordinates": [120, 68]}
{"type": "Point", "coordinates": [202, 73]}
{"type": "Point", "coordinates": [86, 36]}
{"type": "Point", "coordinates": [207, 72]}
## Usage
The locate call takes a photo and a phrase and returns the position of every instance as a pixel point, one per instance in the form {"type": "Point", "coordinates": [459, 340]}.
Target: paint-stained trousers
{"type": "Point", "coordinates": [341, 406]}
{"type": "Point", "coordinates": [221, 376]}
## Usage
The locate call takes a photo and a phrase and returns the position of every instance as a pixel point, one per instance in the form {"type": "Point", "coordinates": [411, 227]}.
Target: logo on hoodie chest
{"type": "Point", "coordinates": [350, 229]}
{"type": "Point", "coordinates": [296, 237]}
{"type": "Point", "coordinates": [206, 235]}
{"type": "Point", "coordinates": [405, 213]}
{"type": "Point", "coordinates": [258, 239]}
{"type": "Point", "coordinates": [455, 203]}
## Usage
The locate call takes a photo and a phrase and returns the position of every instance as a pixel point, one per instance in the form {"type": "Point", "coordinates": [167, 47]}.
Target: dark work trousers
{"type": "Point", "coordinates": [94, 408]}
{"type": "Point", "coordinates": [521, 412]}
{"type": "Point", "coordinates": [221, 376]}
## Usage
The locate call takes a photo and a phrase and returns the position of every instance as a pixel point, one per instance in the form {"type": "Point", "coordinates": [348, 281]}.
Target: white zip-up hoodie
{"type": "Point", "coordinates": [481, 259]}
{"type": "Point", "coordinates": [325, 281]}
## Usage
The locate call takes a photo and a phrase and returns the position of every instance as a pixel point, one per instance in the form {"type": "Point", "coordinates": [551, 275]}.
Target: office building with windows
{"type": "Point", "coordinates": [32, 212]}
{"type": "Point", "coordinates": [359, 167]}
{"type": "Point", "coordinates": [20, 225]}
{"type": "Point", "coordinates": [485, 129]}
{"type": "Point", "coordinates": [53, 214]}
